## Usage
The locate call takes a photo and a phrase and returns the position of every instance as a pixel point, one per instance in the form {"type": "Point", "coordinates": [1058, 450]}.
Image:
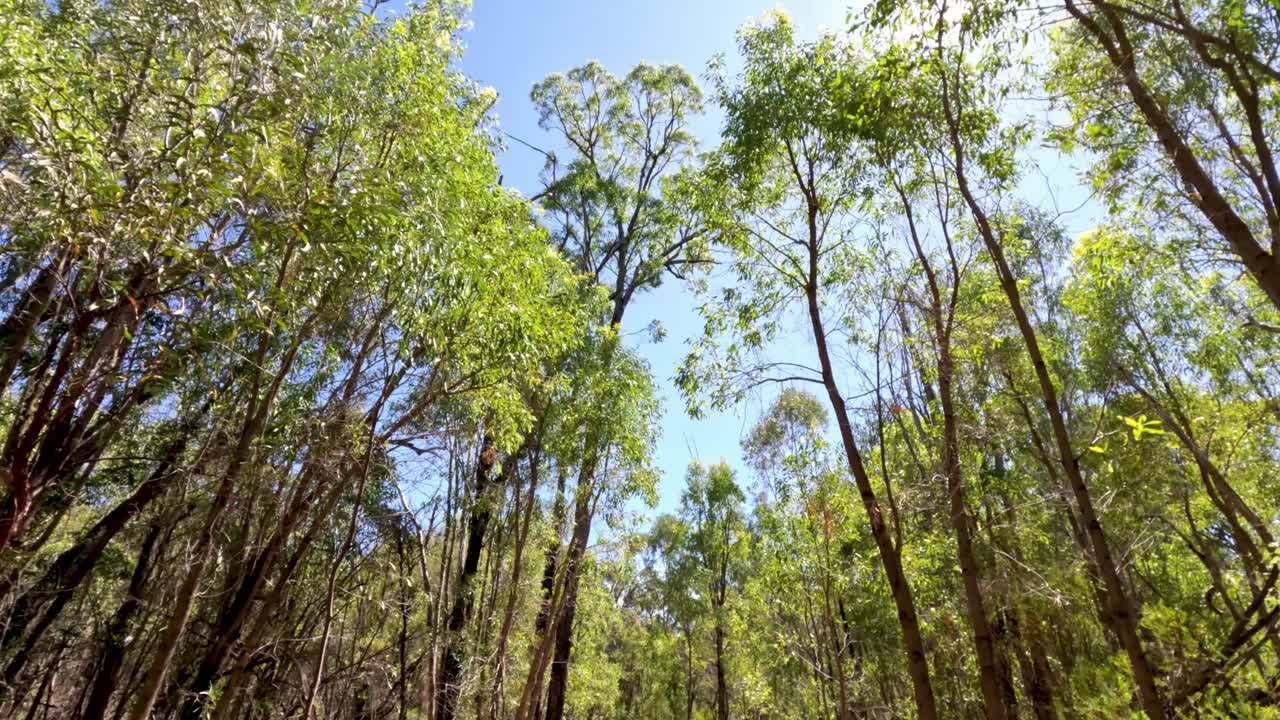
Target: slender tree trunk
{"type": "Point", "coordinates": [531, 696]}
{"type": "Point", "coordinates": [47, 598]}
{"type": "Point", "coordinates": [229, 698]}
{"type": "Point", "coordinates": [347, 542]}
{"type": "Point", "coordinates": [1033, 665]}
{"type": "Point", "coordinates": [983, 640]}
{"type": "Point", "coordinates": [449, 687]}
{"type": "Point", "coordinates": [1122, 607]}
{"type": "Point", "coordinates": [720, 593]}
{"type": "Point", "coordinates": [689, 694]}
{"type": "Point", "coordinates": [508, 617]}
{"type": "Point", "coordinates": [1216, 208]}
{"type": "Point", "coordinates": [722, 684]}
{"type": "Point", "coordinates": [168, 645]}
{"type": "Point", "coordinates": [993, 699]}
{"type": "Point", "coordinates": [917, 660]}
{"type": "Point", "coordinates": [256, 414]}
{"type": "Point", "coordinates": [558, 683]}
{"type": "Point", "coordinates": [111, 658]}
{"type": "Point", "coordinates": [1027, 643]}
{"type": "Point", "coordinates": [17, 329]}
{"type": "Point", "coordinates": [402, 639]}
{"type": "Point", "coordinates": [226, 633]}
{"type": "Point", "coordinates": [838, 644]}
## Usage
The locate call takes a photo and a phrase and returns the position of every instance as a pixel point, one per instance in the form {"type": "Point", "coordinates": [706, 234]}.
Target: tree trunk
{"type": "Point", "coordinates": [1122, 607]}
{"type": "Point", "coordinates": [17, 329]}
{"type": "Point", "coordinates": [112, 656]}
{"type": "Point", "coordinates": [917, 660]}
{"type": "Point", "coordinates": [1216, 208]}
{"type": "Point", "coordinates": [558, 683]}
{"type": "Point", "coordinates": [993, 700]}
{"type": "Point", "coordinates": [256, 413]}
{"type": "Point", "coordinates": [46, 599]}
{"type": "Point", "coordinates": [722, 685]}
{"type": "Point", "coordinates": [689, 694]}
{"type": "Point", "coordinates": [449, 687]}
{"type": "Point", "coordinates": [226, 633]}
{"type": "Point", "coordinates": [517, 555]}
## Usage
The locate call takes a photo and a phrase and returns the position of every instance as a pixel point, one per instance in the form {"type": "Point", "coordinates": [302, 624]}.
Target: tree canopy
{"type": "Point", "coordinates": [305, 415]}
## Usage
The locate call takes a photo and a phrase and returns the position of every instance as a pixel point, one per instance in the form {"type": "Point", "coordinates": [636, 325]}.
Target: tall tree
{"type": "Point", "coordinates": [616, 219]}
{"type": "Point", "coordinates": [788, 181]}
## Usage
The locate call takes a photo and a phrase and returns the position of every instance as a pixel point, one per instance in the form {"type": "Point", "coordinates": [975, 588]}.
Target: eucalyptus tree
{"type": "Point", "coordinates": [709, 554]}
{"type": "Point", "coordinates": [902, 128]}
{"type": "Point", "coordinates": [966, 56]}
{"type": "Point", "coordinates": [609, 207]}
{"type": "Point", "coordinates": [120, 213]}
{"type": "Point", "coordinates": [614, 212]}
{"type": "Point", "coordinates": [1156, 330]}
{"type": "Point", "coordinates": [283, 233]}
{"type": "Point", "coordinates": [783, 196]}
{"type": "Point", "coordinates": [814, 586]}
{"type": "Point", "coordinates": [1123, 608]}
{"type": "Point", "coordinates": [1178, 101]}
{"type": "Point", "coordinates": [601, 428]}
{"type": "Point", "coordinates": [680, 604]}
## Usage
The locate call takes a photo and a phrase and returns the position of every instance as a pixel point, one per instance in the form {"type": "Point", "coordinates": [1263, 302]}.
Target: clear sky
{"type": "Point", "coordinates": [515, 43]}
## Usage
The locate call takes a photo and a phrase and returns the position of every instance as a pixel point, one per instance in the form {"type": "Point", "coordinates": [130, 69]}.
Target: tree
{"type": "Point", "coordinates": [795, 179]}
{"type": "Point", "coordinates": [701, 553]}
{"type": "Point", "coordinates": [615, 218]}
{"type": "Point", "coordinates": [1199, 91]}
{"type": "Point", "coordinates": [291, 385]}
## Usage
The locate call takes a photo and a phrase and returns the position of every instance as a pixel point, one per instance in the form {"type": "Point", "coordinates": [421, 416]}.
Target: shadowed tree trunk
{"type": "Point", "coordinates": [111, 658]}
{"type": "Point", "coordinates": [449, 687]}
{"type": "Point", "coordinates": [557, 684]}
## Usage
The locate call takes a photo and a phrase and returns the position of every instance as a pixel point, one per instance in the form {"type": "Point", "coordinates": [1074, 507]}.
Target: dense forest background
{"type": "Point", "coordinates": [307, 415]}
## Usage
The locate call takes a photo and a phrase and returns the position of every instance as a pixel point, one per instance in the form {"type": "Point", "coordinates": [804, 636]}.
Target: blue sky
{"type": "Point", "coordinates": [515, 43]}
